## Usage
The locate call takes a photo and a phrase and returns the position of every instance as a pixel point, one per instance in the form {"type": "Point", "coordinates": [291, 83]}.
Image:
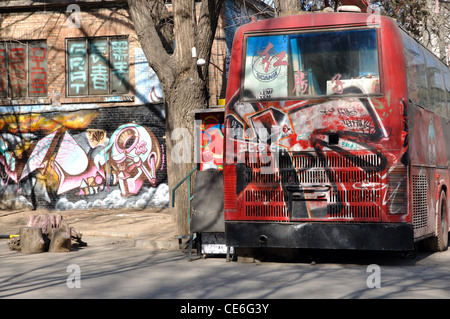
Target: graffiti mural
{"type": "Point", "coordinates": [132, 156]}
{"type": "Point", "coordinates": [60, 156]}
{"type": "Point", "coordinates": [309, 136]}
{"type": "Point", "coordinates": [211, 141]}
{"type": "Point", "coordinates": [307, 158]}
{"type": "Point", "coordinates": [74, 168]}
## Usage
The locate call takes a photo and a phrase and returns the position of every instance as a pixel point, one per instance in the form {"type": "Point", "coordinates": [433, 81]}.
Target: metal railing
{"type": "Point", "coordinates": [190, 197]}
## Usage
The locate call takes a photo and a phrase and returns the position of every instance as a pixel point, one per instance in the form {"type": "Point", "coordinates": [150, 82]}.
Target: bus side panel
{"type": "Point", "coordinates": [361, 180]}
{"type": "Point", "coordinates": [392, 109]}
{"type": "Point", "coordinates": [429, 131]}
{"type": "Point", "coordinates": [424, 150]}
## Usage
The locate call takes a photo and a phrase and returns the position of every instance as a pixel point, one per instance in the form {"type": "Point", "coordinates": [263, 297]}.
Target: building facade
{"type": "Point", "coordinates": [81, 116]}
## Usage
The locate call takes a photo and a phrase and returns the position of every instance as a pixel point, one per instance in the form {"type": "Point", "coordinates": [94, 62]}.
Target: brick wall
{"type": "Point", "coordinates": [58, 151]}
{"type": "Point", "coordinates": [52, 25]}
{"type": "Point", "coordinates": [217, 84]}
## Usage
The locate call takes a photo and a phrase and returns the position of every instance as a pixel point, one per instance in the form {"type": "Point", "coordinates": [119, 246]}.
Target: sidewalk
{"type": "Point", "coordinates": [152, 228]}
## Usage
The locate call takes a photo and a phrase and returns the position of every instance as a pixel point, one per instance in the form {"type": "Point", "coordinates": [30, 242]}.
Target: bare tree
{"type": "Point", "coordinates": [435, 31]}
{"type": "Point", "coordinates": [167, 38]}
{"type": "Point", "coordinates": [283, 7]}
{"type": "Point", "coordinates": [427, 20]}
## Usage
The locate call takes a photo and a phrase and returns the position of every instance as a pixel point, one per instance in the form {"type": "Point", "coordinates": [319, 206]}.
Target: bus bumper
{"type": "Point", "coordinates": [320, 235]}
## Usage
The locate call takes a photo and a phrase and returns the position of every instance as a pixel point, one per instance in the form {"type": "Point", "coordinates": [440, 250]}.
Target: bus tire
{"type": "Point", "coordinates": [440, 242]}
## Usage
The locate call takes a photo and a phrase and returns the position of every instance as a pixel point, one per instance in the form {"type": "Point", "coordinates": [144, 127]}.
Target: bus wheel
{"type": "Point", "coordinates": [440, 242]}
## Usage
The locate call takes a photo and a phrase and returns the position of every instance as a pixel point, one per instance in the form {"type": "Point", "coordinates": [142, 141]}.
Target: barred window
{"type": "Point", "coordinates": [98, 66]}
{"type": "Point", "coordinates": [23, 69]}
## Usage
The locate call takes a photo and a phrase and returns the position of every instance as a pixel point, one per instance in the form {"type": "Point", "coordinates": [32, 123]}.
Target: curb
{"type": "Point", "coordinates": [138, 240]}
{"type": "Point", "coordinates": [149, 243]}
{"type": "Point", "coordinates": [107, 234]}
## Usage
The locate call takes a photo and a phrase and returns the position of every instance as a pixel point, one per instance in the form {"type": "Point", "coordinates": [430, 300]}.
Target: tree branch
{"type": "Point", "coordinates": [153, 36]}
{"type": "Point", "coordinates": [207, 25]}
{"type": "Point", "coordinates": [183, 11]}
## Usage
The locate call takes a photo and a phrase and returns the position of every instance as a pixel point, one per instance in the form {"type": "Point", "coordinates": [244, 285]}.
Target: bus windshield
{"type": "Point", "coordinates": [325, 63]}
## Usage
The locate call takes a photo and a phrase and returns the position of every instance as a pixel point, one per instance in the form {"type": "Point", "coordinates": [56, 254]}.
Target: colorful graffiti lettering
{"type": "Point", "coordinates": [38, 71]}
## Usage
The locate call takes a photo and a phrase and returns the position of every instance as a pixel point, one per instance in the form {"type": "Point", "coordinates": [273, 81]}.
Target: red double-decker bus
{"type": "Point", "coordinates": [336, 128]}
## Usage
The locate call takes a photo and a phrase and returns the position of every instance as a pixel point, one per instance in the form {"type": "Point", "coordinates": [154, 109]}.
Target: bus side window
{"type": "Point", "coordinates": [436, 85]}
{"type": "Point", "coordinates": [447, 84]}
{"type": "Point", "coordinates": [415, 71]}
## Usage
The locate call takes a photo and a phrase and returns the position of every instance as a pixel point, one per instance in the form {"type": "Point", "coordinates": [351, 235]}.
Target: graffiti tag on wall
{"type": "Point", "coordinates": [211, 141]}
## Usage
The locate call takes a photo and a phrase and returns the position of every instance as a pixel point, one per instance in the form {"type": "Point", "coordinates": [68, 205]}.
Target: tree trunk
{"type": "Point", "coordinates": [180, 143]}
{"type": "Point", "coordinates": [14, 243]}
{"type": "Point", "coordinates": [60, 240]}
{"type": "Point", "coordinates": [287, 7]}
{"type": "Point", "coordinates": [47, 222]}
{"type": "Point", "coordinates": [184, 83]}
{"type": "Point", "coordinates": [31, 240]}
{"type": "Point", "coordinates": [441, 34]}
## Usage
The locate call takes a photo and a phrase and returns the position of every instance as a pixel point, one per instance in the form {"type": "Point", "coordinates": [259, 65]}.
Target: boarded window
{"type": "Point", "coordinates": [18, 70]}
{"type": "Point", "coordinates": [37, 66]}
{"type": "Point", "coordinates": [77, 53]}
{"type": "Point", "coordinates": [98, 66]}
{"type": "Point", "coordinates": [23, 69]}
{"type": "Point", "coordinates": [119, 63]}
{"type": "Point", "coordinates": [3, 71]}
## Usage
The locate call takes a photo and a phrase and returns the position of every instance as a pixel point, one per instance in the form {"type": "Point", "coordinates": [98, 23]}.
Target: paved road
{"type": "Point", "coordinates": [113, 268]}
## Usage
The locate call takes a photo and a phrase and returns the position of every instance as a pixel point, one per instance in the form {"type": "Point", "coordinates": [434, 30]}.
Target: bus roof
{"type": "Point", "coordinates": [316, 20]}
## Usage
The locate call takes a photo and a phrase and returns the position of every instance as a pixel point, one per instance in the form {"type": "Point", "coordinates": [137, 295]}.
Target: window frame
{"type": "Point", "coordinates": [309, 31]}
{"type": "Point", "coordinates": [28, 45]}
{"type": "Point", "coordinates": [427, 56]}
{"type": "Point", "coordinates": [88, 41]}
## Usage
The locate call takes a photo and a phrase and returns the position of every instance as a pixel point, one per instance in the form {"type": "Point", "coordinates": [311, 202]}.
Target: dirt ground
{"type": "Point", "coordinates": [158, 223]}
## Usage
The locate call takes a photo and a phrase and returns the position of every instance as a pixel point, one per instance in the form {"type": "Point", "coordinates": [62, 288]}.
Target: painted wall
{"type": "Point", "coordinates": [210, 140]}
{"type": "Point", "coordinates": [79, 152]}
{"type": "Point", "coordinates": [90, 158]}
{"type": "Point", "coordinates": [61, 150]}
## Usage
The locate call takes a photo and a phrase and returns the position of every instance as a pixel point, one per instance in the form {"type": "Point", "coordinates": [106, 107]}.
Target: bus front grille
{"type": "Point", "coordinates": [308, 186]}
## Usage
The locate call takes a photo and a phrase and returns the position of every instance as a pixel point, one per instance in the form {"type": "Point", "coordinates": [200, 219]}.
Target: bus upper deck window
{"type": "Point", "coordinates": [311, 64]}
